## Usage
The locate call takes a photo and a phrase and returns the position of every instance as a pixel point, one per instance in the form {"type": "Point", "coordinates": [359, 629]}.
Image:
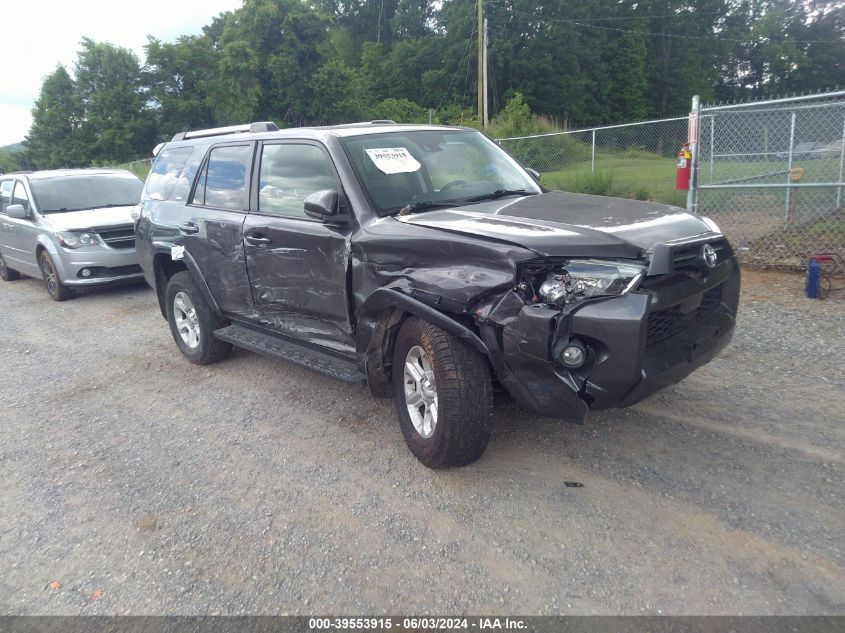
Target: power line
{"type": "Point", "coordinates": [507, 4]}
{"type": "Point", "coordinates": [460, 64]}
{"type": "Point", "coordinates": [528, 18]}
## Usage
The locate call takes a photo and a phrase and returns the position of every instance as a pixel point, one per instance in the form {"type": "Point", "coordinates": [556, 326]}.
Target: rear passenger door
{"type": "Point", "coordinates": [296, 264]}
{"type": "Point", "coordinates": [212, 229]}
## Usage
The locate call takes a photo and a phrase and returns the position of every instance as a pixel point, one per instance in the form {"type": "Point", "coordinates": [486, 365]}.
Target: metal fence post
{"type": "Point", "coordinates": [789, 168]}
{"type": "Point", "coordinates": [693, 148]}
{"type": "Point", "coordinates": [593, 158]}
{"type": "Point", "coordinates": [712, 143]}
{"type": "Point", "coordinates": [841, 176]}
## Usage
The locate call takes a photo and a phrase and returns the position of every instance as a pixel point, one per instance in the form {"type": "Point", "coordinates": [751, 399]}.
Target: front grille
{"type": "Point", "coordinates": [120, 237]}
{"type": "Point", "coordinates": [688, 256]}
{"type": "Point", "coordinates": [671, 321]}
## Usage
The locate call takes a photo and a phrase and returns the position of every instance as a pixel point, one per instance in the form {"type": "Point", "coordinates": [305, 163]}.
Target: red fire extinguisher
{"type": "Point", "coordinates": [682, 175]}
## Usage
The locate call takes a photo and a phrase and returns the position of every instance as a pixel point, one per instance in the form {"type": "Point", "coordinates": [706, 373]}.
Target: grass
{"type": "Point", "coordinates": [644, 177]}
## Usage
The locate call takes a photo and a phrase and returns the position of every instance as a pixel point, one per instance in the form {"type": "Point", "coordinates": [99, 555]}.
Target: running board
{"type": "Point", "coordinates": [282, 349]}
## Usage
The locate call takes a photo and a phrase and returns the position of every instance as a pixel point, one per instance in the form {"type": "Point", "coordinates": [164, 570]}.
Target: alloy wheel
{"type": "Point", "coordinates": [420, 391]}
{"type": "Point", "coordinates": [187, 321]}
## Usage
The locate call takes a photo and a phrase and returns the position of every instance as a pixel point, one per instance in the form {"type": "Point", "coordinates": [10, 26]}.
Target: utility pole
{"type": "Point", "coordinates": [484, 72]}
{"type": "Point", "coordinates": [480, 65]}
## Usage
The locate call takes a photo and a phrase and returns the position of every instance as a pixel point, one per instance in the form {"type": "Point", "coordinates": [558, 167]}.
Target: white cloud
{"type": "Point", "coordinates": [39, 34]}
{"type": "Point", "coordinates": [16, 120]}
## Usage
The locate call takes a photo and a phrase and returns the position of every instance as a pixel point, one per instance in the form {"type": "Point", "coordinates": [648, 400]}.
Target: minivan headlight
{"type": "Point", "coordinates": [581, 279]}
{"type": "Point", "coordinates": [70, 239]}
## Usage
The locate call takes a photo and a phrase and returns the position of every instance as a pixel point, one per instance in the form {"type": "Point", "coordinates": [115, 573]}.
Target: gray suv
{"type": "Point", "coordinates": [427, 263]}
{"type": "Point", "coordinates": [72, 228]}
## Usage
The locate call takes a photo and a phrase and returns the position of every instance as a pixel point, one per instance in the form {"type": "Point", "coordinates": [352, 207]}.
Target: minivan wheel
{"type": "Point", "coordinates": [192, 321]}
{"type": "Point", "coordinates": [443, 394]}
{"type": "Point", "coordinates": [6, 273]}
{"type": "Point", "coordinates": [55, 288]}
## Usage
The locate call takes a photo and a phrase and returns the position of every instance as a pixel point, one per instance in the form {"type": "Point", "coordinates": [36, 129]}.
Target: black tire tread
{"type": "Point", "coordinates": [63, 293]}
{"type": "Point", "coordinates": [9, 274]}
{"type": "Point", "coordinates": [211, 349]}
{"type": "Point", "coordinates": [465, 395]}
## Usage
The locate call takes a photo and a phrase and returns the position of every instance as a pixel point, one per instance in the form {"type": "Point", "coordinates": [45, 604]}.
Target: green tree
{"type": "Point", "coordinates": [399, 110]}
{"type": "Point", "coordinates": [117, 125]}
{"type": "Point", "coordinates": [55, 139]}
{"type": "Point", "coordinates": [270, 50]}
{"type": "Point", "coordinates": [180, 78]}
{"type": "Point", "coordinates": [338, 94]}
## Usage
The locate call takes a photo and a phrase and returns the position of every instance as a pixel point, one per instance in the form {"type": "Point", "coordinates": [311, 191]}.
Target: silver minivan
{"type": "Point", "coordinates": [71, 227]}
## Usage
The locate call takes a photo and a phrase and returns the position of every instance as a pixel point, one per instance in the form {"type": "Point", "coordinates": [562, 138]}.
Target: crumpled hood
{"type": "Point", "coordinates": [561, 224]}
{"type": "Point", "coordinates": [90, 219]}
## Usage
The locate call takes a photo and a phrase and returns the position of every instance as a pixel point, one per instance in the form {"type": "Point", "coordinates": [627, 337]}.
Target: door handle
{"type": "Point", "coordinates": [188, 228]}
{"type": "Point", "coordinates": [257, 239]}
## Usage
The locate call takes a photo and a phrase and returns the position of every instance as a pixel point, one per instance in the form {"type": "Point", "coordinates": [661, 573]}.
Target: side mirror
{"type": "Point", "coordinates": [324, 205]}
{"type": "Point", "coordinates": [533, 173]}
{"type": "Point", "coordinates": [17, 211]}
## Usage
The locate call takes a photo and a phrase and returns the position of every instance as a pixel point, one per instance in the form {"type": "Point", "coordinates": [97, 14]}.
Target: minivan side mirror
{"type": "Point", "coordinates": [533, 173]}
{"type": "Point", "coordinates": [324, 205]}
{"type": "Point", "coordinates": [17, 211]}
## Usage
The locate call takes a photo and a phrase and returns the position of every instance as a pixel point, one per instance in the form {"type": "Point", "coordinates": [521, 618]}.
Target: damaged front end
{"type": "Point", "coordinates": [580, 334]}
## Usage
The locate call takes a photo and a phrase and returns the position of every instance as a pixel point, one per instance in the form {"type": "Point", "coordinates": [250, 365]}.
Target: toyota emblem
{"type": "Point", "coordinates": [708, 256]}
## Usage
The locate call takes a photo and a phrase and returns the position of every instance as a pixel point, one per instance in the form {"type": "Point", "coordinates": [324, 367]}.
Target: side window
{"type": "Point", "coordinates": [166, 172]}
{"type": "Point", "coordinates": [222, 182]}
{"type": "Point", "coordinates": [5, 194]}
{"type": "Point", "coordinates": [290, 173]}
{"type": "Point", "coordinates": [20, 196]}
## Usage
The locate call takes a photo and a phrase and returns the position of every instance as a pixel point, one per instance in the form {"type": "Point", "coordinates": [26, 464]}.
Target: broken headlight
{"type": "Point", "coordinates": [586, 278]}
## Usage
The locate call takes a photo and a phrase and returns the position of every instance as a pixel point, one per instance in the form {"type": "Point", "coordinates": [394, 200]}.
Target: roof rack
{"type": "Point", "coordinates": [258, 126]}
{"type": "Point", "coordinates": [362, 124]}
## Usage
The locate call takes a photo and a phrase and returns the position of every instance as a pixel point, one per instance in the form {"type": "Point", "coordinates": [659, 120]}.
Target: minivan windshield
{"type": "Point", "coordinates": [86, 191]}
{"type": "Point", "coordinates": [422, 169]}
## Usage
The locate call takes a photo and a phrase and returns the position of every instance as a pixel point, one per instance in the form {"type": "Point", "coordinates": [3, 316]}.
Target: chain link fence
{"type": "Point", "coordinates": [632, 160]}
{"type": "Point", "coordinates": [771, 175]}
{"type": "Point", "coordinates": [139, 167]}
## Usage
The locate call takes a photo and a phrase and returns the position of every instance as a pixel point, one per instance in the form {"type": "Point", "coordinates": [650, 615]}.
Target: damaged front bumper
{"type": "Point", "coordinates": [637, 344]}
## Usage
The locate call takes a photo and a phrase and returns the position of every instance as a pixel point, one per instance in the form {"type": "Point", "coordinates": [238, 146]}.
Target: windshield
{"type": "Point", "coordinates": [88, 191]}
{"type": "Point", "coordinates": [433, 166]}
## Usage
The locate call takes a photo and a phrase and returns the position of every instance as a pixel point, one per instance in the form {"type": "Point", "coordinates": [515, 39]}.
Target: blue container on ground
{"type": "Point", "coordinates": [813, 275]}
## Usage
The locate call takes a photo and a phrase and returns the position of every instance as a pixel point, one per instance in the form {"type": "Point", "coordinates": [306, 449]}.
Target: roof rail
{"type": "Point", "coordinates": [360, 124]}
{"type": "Point", "coordinates": [258, 126]}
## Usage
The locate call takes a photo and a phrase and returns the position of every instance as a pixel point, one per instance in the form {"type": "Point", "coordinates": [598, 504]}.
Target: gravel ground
{"type": "Point", "coordinates": [134, 482]}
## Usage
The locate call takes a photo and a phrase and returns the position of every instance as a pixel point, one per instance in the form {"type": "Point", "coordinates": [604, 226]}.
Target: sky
{"type": "Point", "coordinates": [49, 33]}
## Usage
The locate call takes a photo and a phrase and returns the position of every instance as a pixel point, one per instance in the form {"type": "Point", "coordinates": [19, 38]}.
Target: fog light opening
{"type": "Point", "coordinates": [573, 355]}
{"type": "Point", "coordinates": [86, 272]}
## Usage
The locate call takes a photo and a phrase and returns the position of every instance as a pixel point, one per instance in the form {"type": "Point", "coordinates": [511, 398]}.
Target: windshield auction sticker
{"type": "Point", "coordinates": [393, 160]}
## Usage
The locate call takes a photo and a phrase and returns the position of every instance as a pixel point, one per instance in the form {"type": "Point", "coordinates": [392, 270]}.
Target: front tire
{"type": "Point", "coordinates": [192, 321]}
{"type": "Point", "coordinates": [55, 288]}
{"type": "Point", "coordinates": [6, 273]}
{"type": "Point", "coordinates": [443, 393]}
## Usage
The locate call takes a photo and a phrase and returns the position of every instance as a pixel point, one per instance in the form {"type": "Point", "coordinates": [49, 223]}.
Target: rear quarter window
{"type": "Point", "coordinates": [167, 172]}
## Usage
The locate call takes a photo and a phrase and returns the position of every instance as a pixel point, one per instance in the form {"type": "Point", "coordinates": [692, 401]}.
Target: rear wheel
{"type": "Point", "coordinates": [55, 288]}
{"type": "Point", "coordinates": [6, 273]}
{"type": "Point", "coordinates": [192, 321]}
{"type": "Point", "coordinates": [443, 393]}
